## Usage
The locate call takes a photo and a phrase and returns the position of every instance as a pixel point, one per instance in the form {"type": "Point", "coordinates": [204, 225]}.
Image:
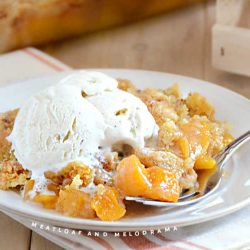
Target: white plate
{"type": "Point", "coordinates": [233, 194]}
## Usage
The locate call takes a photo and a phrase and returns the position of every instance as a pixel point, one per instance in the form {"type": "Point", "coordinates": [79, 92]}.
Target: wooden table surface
{"type": "Point", "coordinates": [178, 42]}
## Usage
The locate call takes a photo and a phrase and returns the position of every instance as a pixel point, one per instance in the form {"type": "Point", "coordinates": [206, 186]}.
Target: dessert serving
{"type": "Point", "coordinates": [84, 144]}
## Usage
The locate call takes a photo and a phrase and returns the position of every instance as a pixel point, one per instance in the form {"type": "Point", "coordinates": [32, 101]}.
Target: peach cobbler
{"type": "Point", "coordinates": [84, 144]}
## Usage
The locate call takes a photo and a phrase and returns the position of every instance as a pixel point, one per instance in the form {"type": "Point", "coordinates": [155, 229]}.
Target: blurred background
{"type": "Point", "coordinates": [164, 35]}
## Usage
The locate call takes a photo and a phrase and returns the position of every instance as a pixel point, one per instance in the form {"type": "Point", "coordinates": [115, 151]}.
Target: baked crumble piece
{"type": "Point", "coordinates": [188, 138]}
{"type": "Point", "coordinates": [12, 174]}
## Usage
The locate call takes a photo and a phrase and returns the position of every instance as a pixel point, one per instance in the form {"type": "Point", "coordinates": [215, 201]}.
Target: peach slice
{"type": "Point", "coordinates": [48, 201]}
{"type": "Point", "coordinates": [182, 145]}
{"type": "Point", "coordinates": [133, 179]}
{"type": "Point", "coordinates": [27, 188]}
{"type": "Point", "coordinates": [198, 136]}
{"type": "Point", "coordinates": [204, 162]}
{"type": "Point", "coordinates": [130, 177]}
{"type": "Point", "coordinates": [107, 204]}
{"type": "Point", "coordinates": [165, 186]}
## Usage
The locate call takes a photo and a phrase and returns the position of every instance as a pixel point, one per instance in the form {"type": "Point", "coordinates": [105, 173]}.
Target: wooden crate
{"type": "Point", "coordinates": [231, 36]}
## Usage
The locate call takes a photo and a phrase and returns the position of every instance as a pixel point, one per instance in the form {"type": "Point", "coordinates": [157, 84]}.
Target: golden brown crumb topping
{"type": "Point", "coordinates": [181, 159]}
{"type": "Point", "coordinates": [66, 175]}
{"type": "Point", "coordinates": [198, 105]}
{"type": "Point", "coordinates": [12, 174]}
{"type": "Point", "coordinates": [6, 124]}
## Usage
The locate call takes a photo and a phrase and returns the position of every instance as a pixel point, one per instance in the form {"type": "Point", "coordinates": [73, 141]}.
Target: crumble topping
{"type": "Point", "coordinates": [12, 174]}
{"type": "Point", "coordinates": [188, 132]}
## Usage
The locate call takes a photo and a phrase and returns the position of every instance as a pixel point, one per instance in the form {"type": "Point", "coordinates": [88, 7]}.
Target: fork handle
{"type": "Point", "coordinates": [227, 152]}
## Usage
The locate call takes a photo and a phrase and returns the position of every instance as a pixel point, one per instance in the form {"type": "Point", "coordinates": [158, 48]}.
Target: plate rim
{"type": "Point", "coordinates": [9, 84]}
{"type": "Point", "coordinates": [128, 225]}
{"type": "Point", "coordinates": [110, 225]}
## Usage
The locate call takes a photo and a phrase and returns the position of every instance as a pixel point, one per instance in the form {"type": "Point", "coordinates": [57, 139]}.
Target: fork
{"type": "Point", "coordinates": [214, 181]}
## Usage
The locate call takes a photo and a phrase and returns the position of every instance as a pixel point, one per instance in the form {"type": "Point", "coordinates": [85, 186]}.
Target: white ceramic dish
{"type": "Point", "coordinates": [233, 194]}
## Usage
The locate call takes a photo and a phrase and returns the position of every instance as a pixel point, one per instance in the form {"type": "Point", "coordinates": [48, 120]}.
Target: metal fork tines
{"type": "Point", "coordinates": [214, 181]}
{"type": "Point", "coordinates": [183, 200]}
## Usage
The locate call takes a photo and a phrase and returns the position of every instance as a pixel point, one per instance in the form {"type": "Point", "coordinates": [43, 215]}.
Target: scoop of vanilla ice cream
{"type": "Point", "coordinates": [80, 118]}
{"type": "Point", "coordinates": [55, 126]}
{"type": "Point", "coordinates": [90, 82]}
{"type": "Point", "coordinates": [126, 116]}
